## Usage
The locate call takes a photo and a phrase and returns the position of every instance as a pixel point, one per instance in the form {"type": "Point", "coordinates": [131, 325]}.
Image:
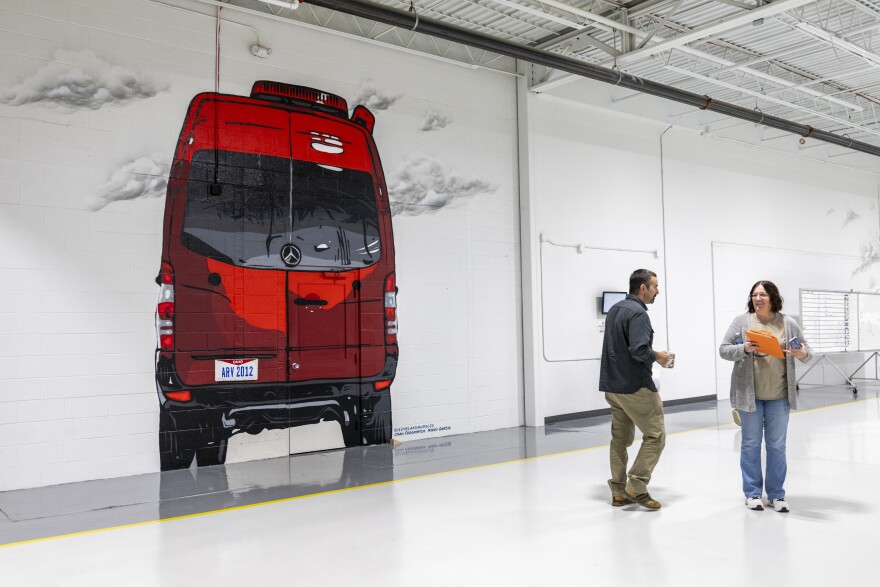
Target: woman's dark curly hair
{"type": "Point", "coordinates": [772, 291]}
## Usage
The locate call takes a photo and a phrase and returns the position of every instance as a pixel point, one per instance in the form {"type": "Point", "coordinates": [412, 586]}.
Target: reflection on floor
{"type": "Point", "coordinates": [539, 515]}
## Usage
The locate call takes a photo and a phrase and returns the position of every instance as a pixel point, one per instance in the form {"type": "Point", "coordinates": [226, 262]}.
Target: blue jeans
{"type": "Point", "coordinates": [770, 421]}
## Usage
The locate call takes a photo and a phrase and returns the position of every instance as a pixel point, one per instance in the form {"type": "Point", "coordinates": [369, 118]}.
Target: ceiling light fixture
{"type": "Point", "coordinates": [837, 41]}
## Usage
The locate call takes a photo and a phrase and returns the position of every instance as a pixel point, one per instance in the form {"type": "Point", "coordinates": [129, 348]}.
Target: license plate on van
{"type": "Point", "coordinates": [236, 369]}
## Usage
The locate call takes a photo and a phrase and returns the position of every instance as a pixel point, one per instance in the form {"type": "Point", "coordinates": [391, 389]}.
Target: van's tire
{"type": "Point", "coordinates": [175, 445]}
{"type": "Point", "coordinates": [182, 436]}
{"type": "Point", "coordinates": [213, 454]}
{"type": "Point", "coordinates": [351, 434]}
{"type": "Point", "coordinates": [376, 420]}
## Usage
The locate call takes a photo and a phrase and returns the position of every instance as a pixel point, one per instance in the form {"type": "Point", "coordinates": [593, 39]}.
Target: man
{"type": "Point", "coordinates": [625, 377]}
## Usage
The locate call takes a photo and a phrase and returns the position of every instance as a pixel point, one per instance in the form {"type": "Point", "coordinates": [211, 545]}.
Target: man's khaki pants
{"type": "Point", "coordinates": [642, 409]}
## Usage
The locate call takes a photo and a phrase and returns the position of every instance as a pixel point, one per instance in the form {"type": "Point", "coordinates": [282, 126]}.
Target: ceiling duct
{"type": "Point", "coordinates": [426, 26]}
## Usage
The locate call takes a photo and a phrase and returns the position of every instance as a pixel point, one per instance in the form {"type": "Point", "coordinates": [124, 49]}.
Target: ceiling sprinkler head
{"type": "Point", "coordinates": [260, 51]}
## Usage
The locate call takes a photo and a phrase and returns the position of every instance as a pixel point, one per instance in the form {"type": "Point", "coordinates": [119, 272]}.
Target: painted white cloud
{"type": "Point", "coordinates": [869, 253]}
{"type": "Point", "coordinates": [423, 184]}
{"type": "Point", "coordinates": [851, 216]}
{"type": "Point", "coordinates": [145, 177]}
{"type": "Point", "coordinates": [373, 98]}
{"type": "Point", "coordinates": [80, 79]}
{"type": "Point", "coordinates": [434, 121]}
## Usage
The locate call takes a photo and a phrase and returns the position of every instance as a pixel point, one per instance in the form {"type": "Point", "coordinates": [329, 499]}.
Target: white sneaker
{"type": "Point", "coordinates": [754, 503]}
{"type": "Point", "coordinates": [779, 505]}
{"type": "Point", "coordinates": [736, 418]}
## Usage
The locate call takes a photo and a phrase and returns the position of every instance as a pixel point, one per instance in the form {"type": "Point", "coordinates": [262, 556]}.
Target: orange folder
{"type": "Point", "coordinates": [766, 343]}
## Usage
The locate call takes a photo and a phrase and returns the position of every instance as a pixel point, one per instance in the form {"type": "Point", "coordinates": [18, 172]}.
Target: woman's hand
{"type": "Point", "coordinates": [800, 353]}
{"type": "Point", "coordinates": [749, 346]}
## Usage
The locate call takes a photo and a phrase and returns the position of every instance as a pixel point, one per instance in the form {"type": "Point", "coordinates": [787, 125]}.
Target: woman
{"type": "Point", "coordinates": [763, 391]}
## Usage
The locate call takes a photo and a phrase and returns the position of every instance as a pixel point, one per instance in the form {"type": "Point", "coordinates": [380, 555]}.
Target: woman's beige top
{"type": "Point", "coordinates": [771, 381]}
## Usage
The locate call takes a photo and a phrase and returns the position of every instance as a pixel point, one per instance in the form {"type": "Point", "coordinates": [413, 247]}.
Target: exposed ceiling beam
{"type": "Point", "coordinates": [565, 37]}
{"type": "Point", "coordinates": [766, 76]}
{"type": "Point", "coordinates": [803, 46]}
{"type": "Point", "coordinates": [595, 18]}
{"type": "Point", "coordinates": [485, 42]}
{"type": "Point", "coordinates": [838, 42]}
{"type": "Point", "coordinates": [742, 5]}
{"type": "Point", "coordinates": [539, 13]}
{"type": "Point", "coordinates": [660, 24]}
{"type": "Point", "coordinates": [728, 65]}
{"type": "Point", "coordinates": [689, 37]}
{"type": "Point", "coordinates": [767, 98]}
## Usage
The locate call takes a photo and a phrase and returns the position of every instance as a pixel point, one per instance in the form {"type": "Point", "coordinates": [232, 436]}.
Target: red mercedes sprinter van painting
{"type": "Point", "coordinates": [277, 303]}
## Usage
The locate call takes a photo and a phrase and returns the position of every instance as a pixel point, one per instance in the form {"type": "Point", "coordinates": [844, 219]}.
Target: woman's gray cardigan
{"type": "Point", "coordinates": [742, 380]}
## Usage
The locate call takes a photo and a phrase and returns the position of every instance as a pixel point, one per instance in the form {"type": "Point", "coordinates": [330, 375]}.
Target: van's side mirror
{"type": "Point", "coordinates": [364, 117]}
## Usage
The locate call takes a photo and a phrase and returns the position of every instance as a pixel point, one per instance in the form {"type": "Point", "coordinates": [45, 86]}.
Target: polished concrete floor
{"type": "Point", "coordinates": [521, 506]}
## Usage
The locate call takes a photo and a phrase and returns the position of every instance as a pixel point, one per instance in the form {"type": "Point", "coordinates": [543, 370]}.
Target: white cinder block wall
{"type": "Point", "coordinates": [77, 290]}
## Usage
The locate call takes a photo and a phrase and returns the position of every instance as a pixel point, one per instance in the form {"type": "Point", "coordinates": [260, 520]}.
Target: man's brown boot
{"type": "Point", "coordinates": [644, 500]}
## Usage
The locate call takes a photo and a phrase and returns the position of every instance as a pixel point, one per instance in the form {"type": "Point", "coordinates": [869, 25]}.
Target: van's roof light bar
{"type": "Point", "coordinates": [300, 96]}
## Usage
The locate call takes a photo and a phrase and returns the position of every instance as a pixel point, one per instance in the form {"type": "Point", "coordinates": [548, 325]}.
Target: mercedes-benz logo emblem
{"type": "Point", "coordinates": [291, 255]}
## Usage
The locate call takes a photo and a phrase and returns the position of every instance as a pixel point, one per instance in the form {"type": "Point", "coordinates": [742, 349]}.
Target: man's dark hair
{"type": "Point", "coordinates": [772, 291]}
{"type": "Point", "coordinates": [638, 278]}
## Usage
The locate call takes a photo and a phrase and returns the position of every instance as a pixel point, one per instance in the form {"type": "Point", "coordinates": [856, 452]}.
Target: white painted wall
{"type": "Point", "coordinates": [787, 219]}
{"type": "Point", "coordinates": [77, 296]}
{"type": "Point", "coordinates": [596, 180]}
{"type": "Point", "coordinates": [77, 399]}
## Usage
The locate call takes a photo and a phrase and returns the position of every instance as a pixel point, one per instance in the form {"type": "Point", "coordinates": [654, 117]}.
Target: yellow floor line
{"type": "Point", "coordinates": [380, 483]}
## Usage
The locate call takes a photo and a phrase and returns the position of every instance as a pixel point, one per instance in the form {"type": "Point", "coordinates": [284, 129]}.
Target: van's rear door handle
{"type": "Point", "coordinates": [305, 302]}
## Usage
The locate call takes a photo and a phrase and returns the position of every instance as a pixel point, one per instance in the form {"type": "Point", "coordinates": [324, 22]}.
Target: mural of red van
{"type": "Point", "coordinates": [278, 300]}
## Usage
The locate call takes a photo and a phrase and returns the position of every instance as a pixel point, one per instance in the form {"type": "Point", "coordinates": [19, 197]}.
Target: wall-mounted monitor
{"type": "Point", "coordinates": [609, 298]}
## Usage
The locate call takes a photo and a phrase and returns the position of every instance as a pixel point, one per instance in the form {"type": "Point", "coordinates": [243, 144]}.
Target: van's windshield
{"type": "Point", "coordinates": [274, 212]}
